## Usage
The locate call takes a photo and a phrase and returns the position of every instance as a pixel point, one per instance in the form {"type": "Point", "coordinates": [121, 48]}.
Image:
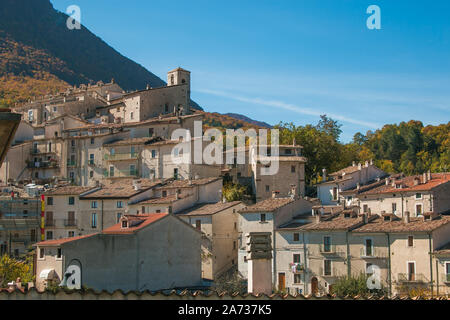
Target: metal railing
{"type": "Point", "coordinates": [330, 248]}
{"type": "Point", "coordinates": [121, 156]}
{"type": "Point", "coordinates": [49, 222]}
{"type": "Point", "coordinates": [411, 277]}
{"type": "Point", "coordinates": [43, 164]}
{"type": "Point", "coordinates": [37, 151]}
{"type": "Point", "coordinates": [121, 173]}
{"type": "Point", "coordinates": [71, 163]}
{"type": "Point", "coordinates": [70, 222]}
{"type": "Point", "coordinates": [297, 267]}
{"type": "Point", "coordinates": [332, 273]}
{"type": "Point", "coordinates": [372, 253]}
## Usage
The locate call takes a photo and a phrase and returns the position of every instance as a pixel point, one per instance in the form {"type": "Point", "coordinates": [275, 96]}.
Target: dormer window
{"type": "Point", "coordinates": [386, 218]}
{"type": "Point", "coordinates": [124, 224]}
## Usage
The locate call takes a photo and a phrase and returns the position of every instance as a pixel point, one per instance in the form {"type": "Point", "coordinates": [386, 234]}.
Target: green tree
{"type": "Point", "coordinates": [11, 269]}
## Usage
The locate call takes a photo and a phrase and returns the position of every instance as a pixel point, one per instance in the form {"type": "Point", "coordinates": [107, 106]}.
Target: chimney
{"type": "Point", "coordinates": [324, 174]}
{"type": "Point", "coordinates": [358, 186]}
{"type": "Point", "coordinates": [318, 218]}
{"type": "Point", "coordinates": [366, 164]}
{"type": "Point", "coordinates": [293, 191]}
{"type": "Point", "coordinates": [353, 164]}
{"type": "Point", "coordinates": [429, 175]}
{"type": "Point", "coordinates": [137, 185]}
{"type": "Point", "coordinates": [406, 217]}
{"type": "Point", "coordinates": [359, 166]}
{"type": "Point", "coordinates": [387, 181]}
{"type": "Point", "coordinates": [424, 178]}
{"type": "Point", "coordinates": [364, 217]}
{"type": "Point", "coordinates": [275, 194]}
{"type": "Point", "coordinates": [416, 181]}
{"type": "Point", "coordinates": [148, 87]}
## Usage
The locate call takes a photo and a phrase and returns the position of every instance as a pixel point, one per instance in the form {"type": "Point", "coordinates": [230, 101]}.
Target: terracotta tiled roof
{"type": "Point", "coordinates": [162, 200]}
{"type": "Point", "coordinates": [189, 183]}
{"type": "Point", "coordinates": [68, 190]}
{"type": "Point", "coordinates": [121, 189]}
{"type": "Point", "coordinates": [126, 142]}
{"type": "Point", "coordinates": [437, 179]}
{"type": "Point", "coordinates": [347, 170]}
{"type": "Point", "coordinates": [281, 158]}
{"type": "Point", "coordinates": [267, 205]}
{"type": "Point", "coordinates": [415, 225]}
{"type": "Point", "coordinates": [58, 242]}
{"type": "Point", "coordinates": [138, 222]}
{"type": "Point", "coordinates": [335, 222]}
{"type": "Point", "coordinates": [208, 208]}
{"type": "Point", "coordinates": [444, 250]}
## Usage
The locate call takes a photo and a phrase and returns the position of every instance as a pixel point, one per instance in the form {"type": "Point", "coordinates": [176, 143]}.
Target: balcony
{"type": "Point", "coordinates": [37, 152]}
{"type": "Point", "coordinates": [412, 278]}
{"type": "Point", "coordinates": [297, 267]}
{"type": "Point", "coordinates": [373, 253]}
{"type": "Point", "coordinates": [121, 156]}
{"type": "Point", "coordinates": [332, 273]}
{"type": "Point", "coordinates": [70, 222]}
{"type": "Point", "coordinates": [121, 174]}
{"type": "Point", "coordinates": [52, 164]}
{"type": "Point", "coordinates": [49, 222]}
{"type": "Point", "coordinates": [330, 250]}
{"type": "Point", "coordinates": [71, 163]}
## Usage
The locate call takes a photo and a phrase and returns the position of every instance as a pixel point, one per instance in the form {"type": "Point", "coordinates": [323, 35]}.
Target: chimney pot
{"type": "Point", "coordinates": [406, 217]}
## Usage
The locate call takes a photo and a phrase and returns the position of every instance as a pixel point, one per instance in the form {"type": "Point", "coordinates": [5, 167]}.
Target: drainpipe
{"type": "Point", "coordinates": [349, 270]}
{"type": "Point", "coordinates": [306, 266]}
{"type": "Point", "coordinates": [274, 275]}
{"type": "Point", "coordinates": [431, 263]}
{"type": "Point", "coordinates": [389, 265]}
{"type": "Point", "coordinates": [102, 217]}
{"type": "Point", "coordinates": [437, 278]}
{"type": "Point", "coordinates": [402, 203]}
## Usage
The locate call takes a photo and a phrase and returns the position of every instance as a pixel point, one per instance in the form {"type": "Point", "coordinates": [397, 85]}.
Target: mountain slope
{"type": "Point", "coordinates": [249, 120]}
{"type": "Point", "coordinates": [36, 45]}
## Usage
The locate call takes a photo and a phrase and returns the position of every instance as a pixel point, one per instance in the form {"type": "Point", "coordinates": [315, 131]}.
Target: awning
{"type": "Point", "coordinates": [47, 274]}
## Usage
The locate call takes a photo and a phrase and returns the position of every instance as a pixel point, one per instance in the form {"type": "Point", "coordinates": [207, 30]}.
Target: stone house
{"type": "Point", "coordinates": [141, 252]}
{"type": "Point", "coordinates": [267, 216]}
{"type": "Point", "coordinates": [219, 225]}
{"type": "Point", "coordinates": [416, 194]}
{"type": "Point", "coordinates": [329, 191]}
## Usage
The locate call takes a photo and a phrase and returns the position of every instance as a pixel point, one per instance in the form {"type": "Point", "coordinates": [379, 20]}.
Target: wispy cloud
{"type": "Point", "coordinates": [289, 107]}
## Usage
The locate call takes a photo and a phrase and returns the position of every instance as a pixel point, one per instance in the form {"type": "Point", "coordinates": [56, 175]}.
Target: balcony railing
{"type": "Point", "coordinates": [71, 163]}
{"type": "Point", "coordinates": [37, 151]}
{"type": "Point", "coordinates": [121, 156]}
{"type": "Point", "coordinates": [49, 222]}
{"type": "Point", "coordinates": [373, 253]}
{"type": "Point", "coordinates": [43, 164]}
{"type": "Point", "coordinates": [411, 277]}
{"type": "Point", "coordinates": [121, 174]}
{"type": "Point", "coordinates": [332, 273]}
{"type": "Point", "coordinates": [297, 267]}
{"type": "Point", "coordinates": [70, 222]}
{"type": "Point", "coordinates": [327, 249]}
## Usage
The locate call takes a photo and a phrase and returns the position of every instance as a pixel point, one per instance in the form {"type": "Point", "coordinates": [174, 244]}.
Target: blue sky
{"type": "Point", "coordinates": [291, 60]}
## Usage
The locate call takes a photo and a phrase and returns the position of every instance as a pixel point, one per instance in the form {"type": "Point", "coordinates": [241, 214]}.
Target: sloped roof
{"type": "Point", "coordinates": [68, 190]}
{"type": "Point", "coordinates": [138, 222]}
{"type": "Point", "coordinates": [121, 189]}
{"type": "Point", "coordinates": [415, 225]}
{"type": "Point", "coordinates": [58, 242]}
{"type": "Point", "coordinates": [267, 205]}
{"type": "Point", "coordinates": [208, 208]}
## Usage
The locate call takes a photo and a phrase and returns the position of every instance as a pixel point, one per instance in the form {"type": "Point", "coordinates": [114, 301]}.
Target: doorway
{"type": "Point", "coordinates": [281, 281]}
{"type": "Point", "coordinates": [314, 286]}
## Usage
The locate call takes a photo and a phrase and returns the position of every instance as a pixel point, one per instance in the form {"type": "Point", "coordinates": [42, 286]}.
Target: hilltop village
{"type": "Point", "coordinates": [90, 185]}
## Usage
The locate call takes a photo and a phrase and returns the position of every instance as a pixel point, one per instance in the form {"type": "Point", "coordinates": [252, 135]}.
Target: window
{"type": "Point", "coordinates": [267, 188]}
{"type": "Point", "coordinates": [327, 267]}
{"type": "Point", "coordinates": [94, 220]}
{"type": "Point", "coordinates": [234, 245]}
{"type": "Point", "coordinates": [124, 224]}
{"type": "Point", "coordinates": [111, 171]}
{"type": "Point", "coordinates": [72, 143]}
{"type": "Point", "coordinates": [59, 253]}
{"type": "Point", "coordinates": [410, 241]}
{"type": "Point", "coordinates": [335, 193]}
{"type": "Point", "coordinates": [297, 278]}
{"type": "Point", "coordinates": [175, 173]}
{"type": "Point", "coordinates": [369, 250]}
{"type": "Point", "coordinates": [91, 174]}
{"type": "Point", "coordinates": [411, 271]}
{"type": "Point", "coordinates": [235, 226]}
{"type": "Point", "coordinates": [71, 201]}
{"type": "Point", "coordinates": [119, 204]}
{"type": "Point", "coordinates": [166, 108]}
{"type": "Point", "coordinates": [288, 151]}
{"type": "Point", "coordinates": [72, 175]}
{"type": "Point", "coordinates": [326, 244]}
{"type": "Point", "coordinates": [262, 217]}
{"type": "Point", "coordinates": [296, 258]}
{"type": "Point", "coordinates": [198, 224]}
{"type": "Point", "coordinates": [131, 115]}
{"type": "Point", "coordinates": [49, 201]}
{"type": "Point", "coordinates": [447, 271]}
{"type": "Point", "coordinates": [71, 234]}
{"type": "Point", "coordinates": [49, 235]}
{"type": "Point", "coordinates": [153, 154]}
{"type": "Point", "coordinates": [418, 209]}
{"type": "Point", "coordinates": [292, 169]}
{"type": "Point", "coordinates": [33, 235]}
{"type": "Point", "coordinates": [158, 211]}
{"type": "Point", "coordinates": [365, 208]}
{"type": "Point", "coordinates": [30, 115]}
{"type": "Point", "coordinates": [394, 208]}
{"type": "Point", "coordinates": [296, 237]}
{"type": "Point", "coordinates": [418, 196]}
{"type": "Point", "coordinates": [41, 253]}
{"type": "Point", "coordinates": [93, 204]}
{"type": "Point", "coordinates": [92, 140]}
{"type": "Point", "coordinates": [164, 193]}
{"type": "Point", "coordinates": [133, 170]}
{"type": "Point", "coordinates": [91, 158]}
{"type": "Point", "coordinates": [119, 215]}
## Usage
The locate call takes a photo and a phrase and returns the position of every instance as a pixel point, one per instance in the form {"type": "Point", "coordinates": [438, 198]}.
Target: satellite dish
{"type": "Point", "coordinates": [72, 276]}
